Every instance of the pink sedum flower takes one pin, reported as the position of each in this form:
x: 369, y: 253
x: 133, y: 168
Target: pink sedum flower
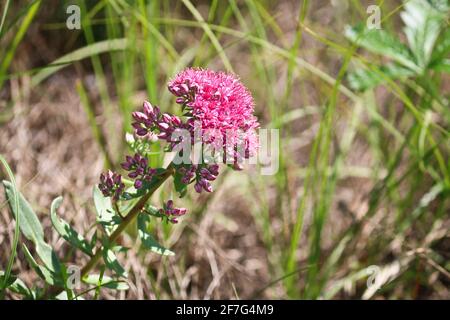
x: 219, y: 101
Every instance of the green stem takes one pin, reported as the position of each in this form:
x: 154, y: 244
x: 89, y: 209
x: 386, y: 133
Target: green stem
x: 127, y: 220
x: 7, y: 273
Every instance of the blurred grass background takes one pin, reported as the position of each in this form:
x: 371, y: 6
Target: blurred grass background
x: 364, y: 176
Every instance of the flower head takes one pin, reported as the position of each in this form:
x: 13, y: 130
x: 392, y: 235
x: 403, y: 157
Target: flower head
x: 217, y: 111
x: 219, y: 101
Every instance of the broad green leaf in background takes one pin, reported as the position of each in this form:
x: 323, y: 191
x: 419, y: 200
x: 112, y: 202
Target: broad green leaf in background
x: 382, y: 42
x: 31, y: 228
x: 423, y: 23
x: 442, y: 66
x: 67, y: 232
x: 147, y: 239
x: 363, y: 79
x: 428, y: 46
x: 442, y: 49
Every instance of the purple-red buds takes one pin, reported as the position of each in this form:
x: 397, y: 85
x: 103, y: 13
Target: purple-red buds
x: 202, y: 174
x: 138, y: 167
x: 171, y: 212
x: 111, y: 184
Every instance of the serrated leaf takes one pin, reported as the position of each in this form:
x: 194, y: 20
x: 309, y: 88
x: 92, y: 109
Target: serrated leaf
x: 147, y: 239
x: 66, y: 231
x: 423, y: 23
x: 112, y: 263
x: 107, y: 282
x: 382, y: 42
x: 363, y: 79
x: 31, y: 228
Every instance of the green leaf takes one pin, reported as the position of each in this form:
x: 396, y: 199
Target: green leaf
x: 31, y: 228
x: 21, y: 288
x: 444, y: 66
x: 48, y: 276
x: 10, y: 280
x: 67, y: 232
x: 112, y: 263
x: 363, y: 79
x: 30, y: 225
x: 442, y: 48
x: 180, y: 187
x: 106, y: 215
x: 381, y: 42
x: 147, y: 239
x: 63, y: 296
x: 423, y: 23
x: 16, y: 285
x: 107, y: 282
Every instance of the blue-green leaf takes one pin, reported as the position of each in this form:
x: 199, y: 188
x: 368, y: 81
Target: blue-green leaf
x: 107, y: 282
x: 423, y: 22
x: 16, y: 285
x: 106, y: 215
x: 112, y: 263
x: 442, y: 66
x: 48, y: 276
x: 382, y: 42
x: 363, y: 79
x: 31, y: 228
x: 442, y: 48
x: 67, y: 232
x: 147, y: 239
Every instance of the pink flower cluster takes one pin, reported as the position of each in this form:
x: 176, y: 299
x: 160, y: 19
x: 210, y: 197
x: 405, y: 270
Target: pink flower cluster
x: 220, y: 102
x: 211, y: 101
